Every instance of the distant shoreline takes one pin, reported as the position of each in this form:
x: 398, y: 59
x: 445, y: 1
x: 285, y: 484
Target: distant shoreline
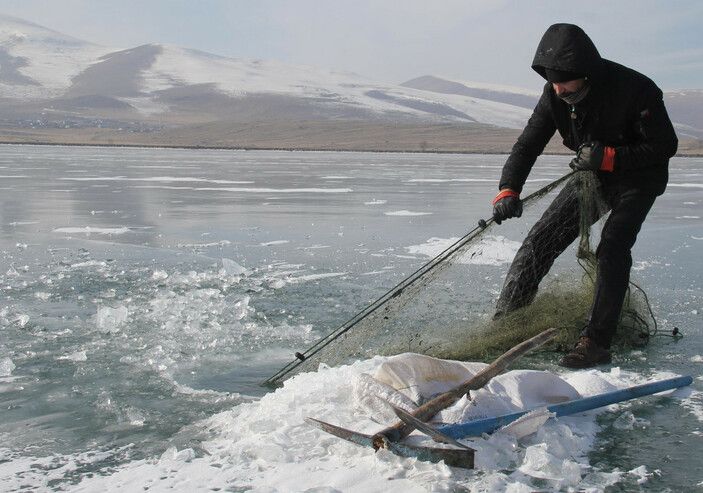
x: 287, y: 149
x: 295, y: 149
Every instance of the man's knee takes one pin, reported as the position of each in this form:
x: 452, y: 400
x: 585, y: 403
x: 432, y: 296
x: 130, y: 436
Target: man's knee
x: 614, y: 253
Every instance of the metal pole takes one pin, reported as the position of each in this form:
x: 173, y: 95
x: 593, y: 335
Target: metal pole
x: 488, y: 425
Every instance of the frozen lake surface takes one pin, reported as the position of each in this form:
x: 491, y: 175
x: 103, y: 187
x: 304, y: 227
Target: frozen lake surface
x: 147, y: 292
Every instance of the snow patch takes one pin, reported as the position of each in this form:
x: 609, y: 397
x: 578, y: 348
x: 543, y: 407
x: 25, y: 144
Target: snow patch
x: 489, y: 250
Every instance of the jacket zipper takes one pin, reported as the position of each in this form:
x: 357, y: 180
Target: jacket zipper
x: 574, y: 131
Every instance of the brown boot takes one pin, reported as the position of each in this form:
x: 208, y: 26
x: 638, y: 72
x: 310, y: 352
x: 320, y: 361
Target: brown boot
x: 586, y: 353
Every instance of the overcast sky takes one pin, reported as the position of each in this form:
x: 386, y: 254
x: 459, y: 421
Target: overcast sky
x: 393, y: 41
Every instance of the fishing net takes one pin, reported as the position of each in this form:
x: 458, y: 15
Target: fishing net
x: 469, y: 302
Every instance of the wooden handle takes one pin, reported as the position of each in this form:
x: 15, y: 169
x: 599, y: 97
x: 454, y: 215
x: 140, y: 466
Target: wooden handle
x: 400, y: 430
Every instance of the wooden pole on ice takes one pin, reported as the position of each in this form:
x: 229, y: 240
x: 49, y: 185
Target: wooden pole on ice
x: 400, y: 430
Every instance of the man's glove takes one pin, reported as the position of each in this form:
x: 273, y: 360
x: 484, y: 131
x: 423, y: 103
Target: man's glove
x: 507, y: 204
x: 593, y: 156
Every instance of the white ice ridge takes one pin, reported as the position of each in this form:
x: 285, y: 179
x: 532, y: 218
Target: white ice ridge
x: 93, y: 230
x: 158, y: 179
x: 274, y: 242
x: 276, y: 190
x: 489, y: 250
x: 685, y: 185
x: 467, y: 180
x: 406, y: 213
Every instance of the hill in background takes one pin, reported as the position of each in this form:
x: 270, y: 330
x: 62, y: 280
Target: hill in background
x: 58, y: 89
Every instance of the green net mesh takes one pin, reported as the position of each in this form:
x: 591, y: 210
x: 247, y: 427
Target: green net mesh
x: 447, y: 308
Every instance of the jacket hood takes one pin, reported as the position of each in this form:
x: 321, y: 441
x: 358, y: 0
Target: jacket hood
x: 567, y: 48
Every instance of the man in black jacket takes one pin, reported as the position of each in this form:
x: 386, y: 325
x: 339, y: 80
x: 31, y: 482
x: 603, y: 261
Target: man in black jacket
x: 615, y: 120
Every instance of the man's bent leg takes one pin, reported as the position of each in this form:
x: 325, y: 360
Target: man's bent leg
x: 549, y: 237
x: 614, y: 262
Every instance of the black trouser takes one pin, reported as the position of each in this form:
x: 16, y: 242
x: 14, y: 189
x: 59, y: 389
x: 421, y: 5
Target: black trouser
x: 557, y: 229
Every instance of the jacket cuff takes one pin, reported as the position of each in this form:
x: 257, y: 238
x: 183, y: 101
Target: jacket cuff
x: 608, y: 163
x: 506, y: 192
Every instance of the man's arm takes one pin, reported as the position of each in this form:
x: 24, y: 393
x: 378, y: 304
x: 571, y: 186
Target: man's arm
x: 656, y: 139
x: 529, y: 145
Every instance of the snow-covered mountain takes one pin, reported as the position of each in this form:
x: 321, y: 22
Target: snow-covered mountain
x: 49, y: 80
x: 39, y: 64
x: 516, y: 96
x: 36, y: 62
x: 685, y: 107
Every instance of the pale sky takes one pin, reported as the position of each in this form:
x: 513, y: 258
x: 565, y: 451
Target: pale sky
x: 393, y: 41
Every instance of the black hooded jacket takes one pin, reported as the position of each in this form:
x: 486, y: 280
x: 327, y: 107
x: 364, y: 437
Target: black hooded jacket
x: 624, y: 109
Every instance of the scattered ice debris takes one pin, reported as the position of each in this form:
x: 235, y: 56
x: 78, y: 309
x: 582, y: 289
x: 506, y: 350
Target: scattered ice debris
x: 644, y: 264
x: 21, y: 320
x: 134, y: 417
x: 77, y: 356
x: 628, y: 421
x: 315, y: 277
x: 374, y: 395
x: 6, y: 367
x: 241, y: 308
x: 232, y: 268
x: 172, y: 454
x: 696, y: 359
x: 541, y: 464
x: 41, y: 295
x: 43, y: 472
x: 276, y: 283
x: 159, y: 275
x: 527, y: 424
x: 109, y: 319
x: 489, y: 250
x: 376, y: 202
x: 642, y: 474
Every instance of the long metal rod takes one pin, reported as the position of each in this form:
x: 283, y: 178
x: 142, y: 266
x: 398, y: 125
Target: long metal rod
x: 488, y: 425
x: 395, y: 291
